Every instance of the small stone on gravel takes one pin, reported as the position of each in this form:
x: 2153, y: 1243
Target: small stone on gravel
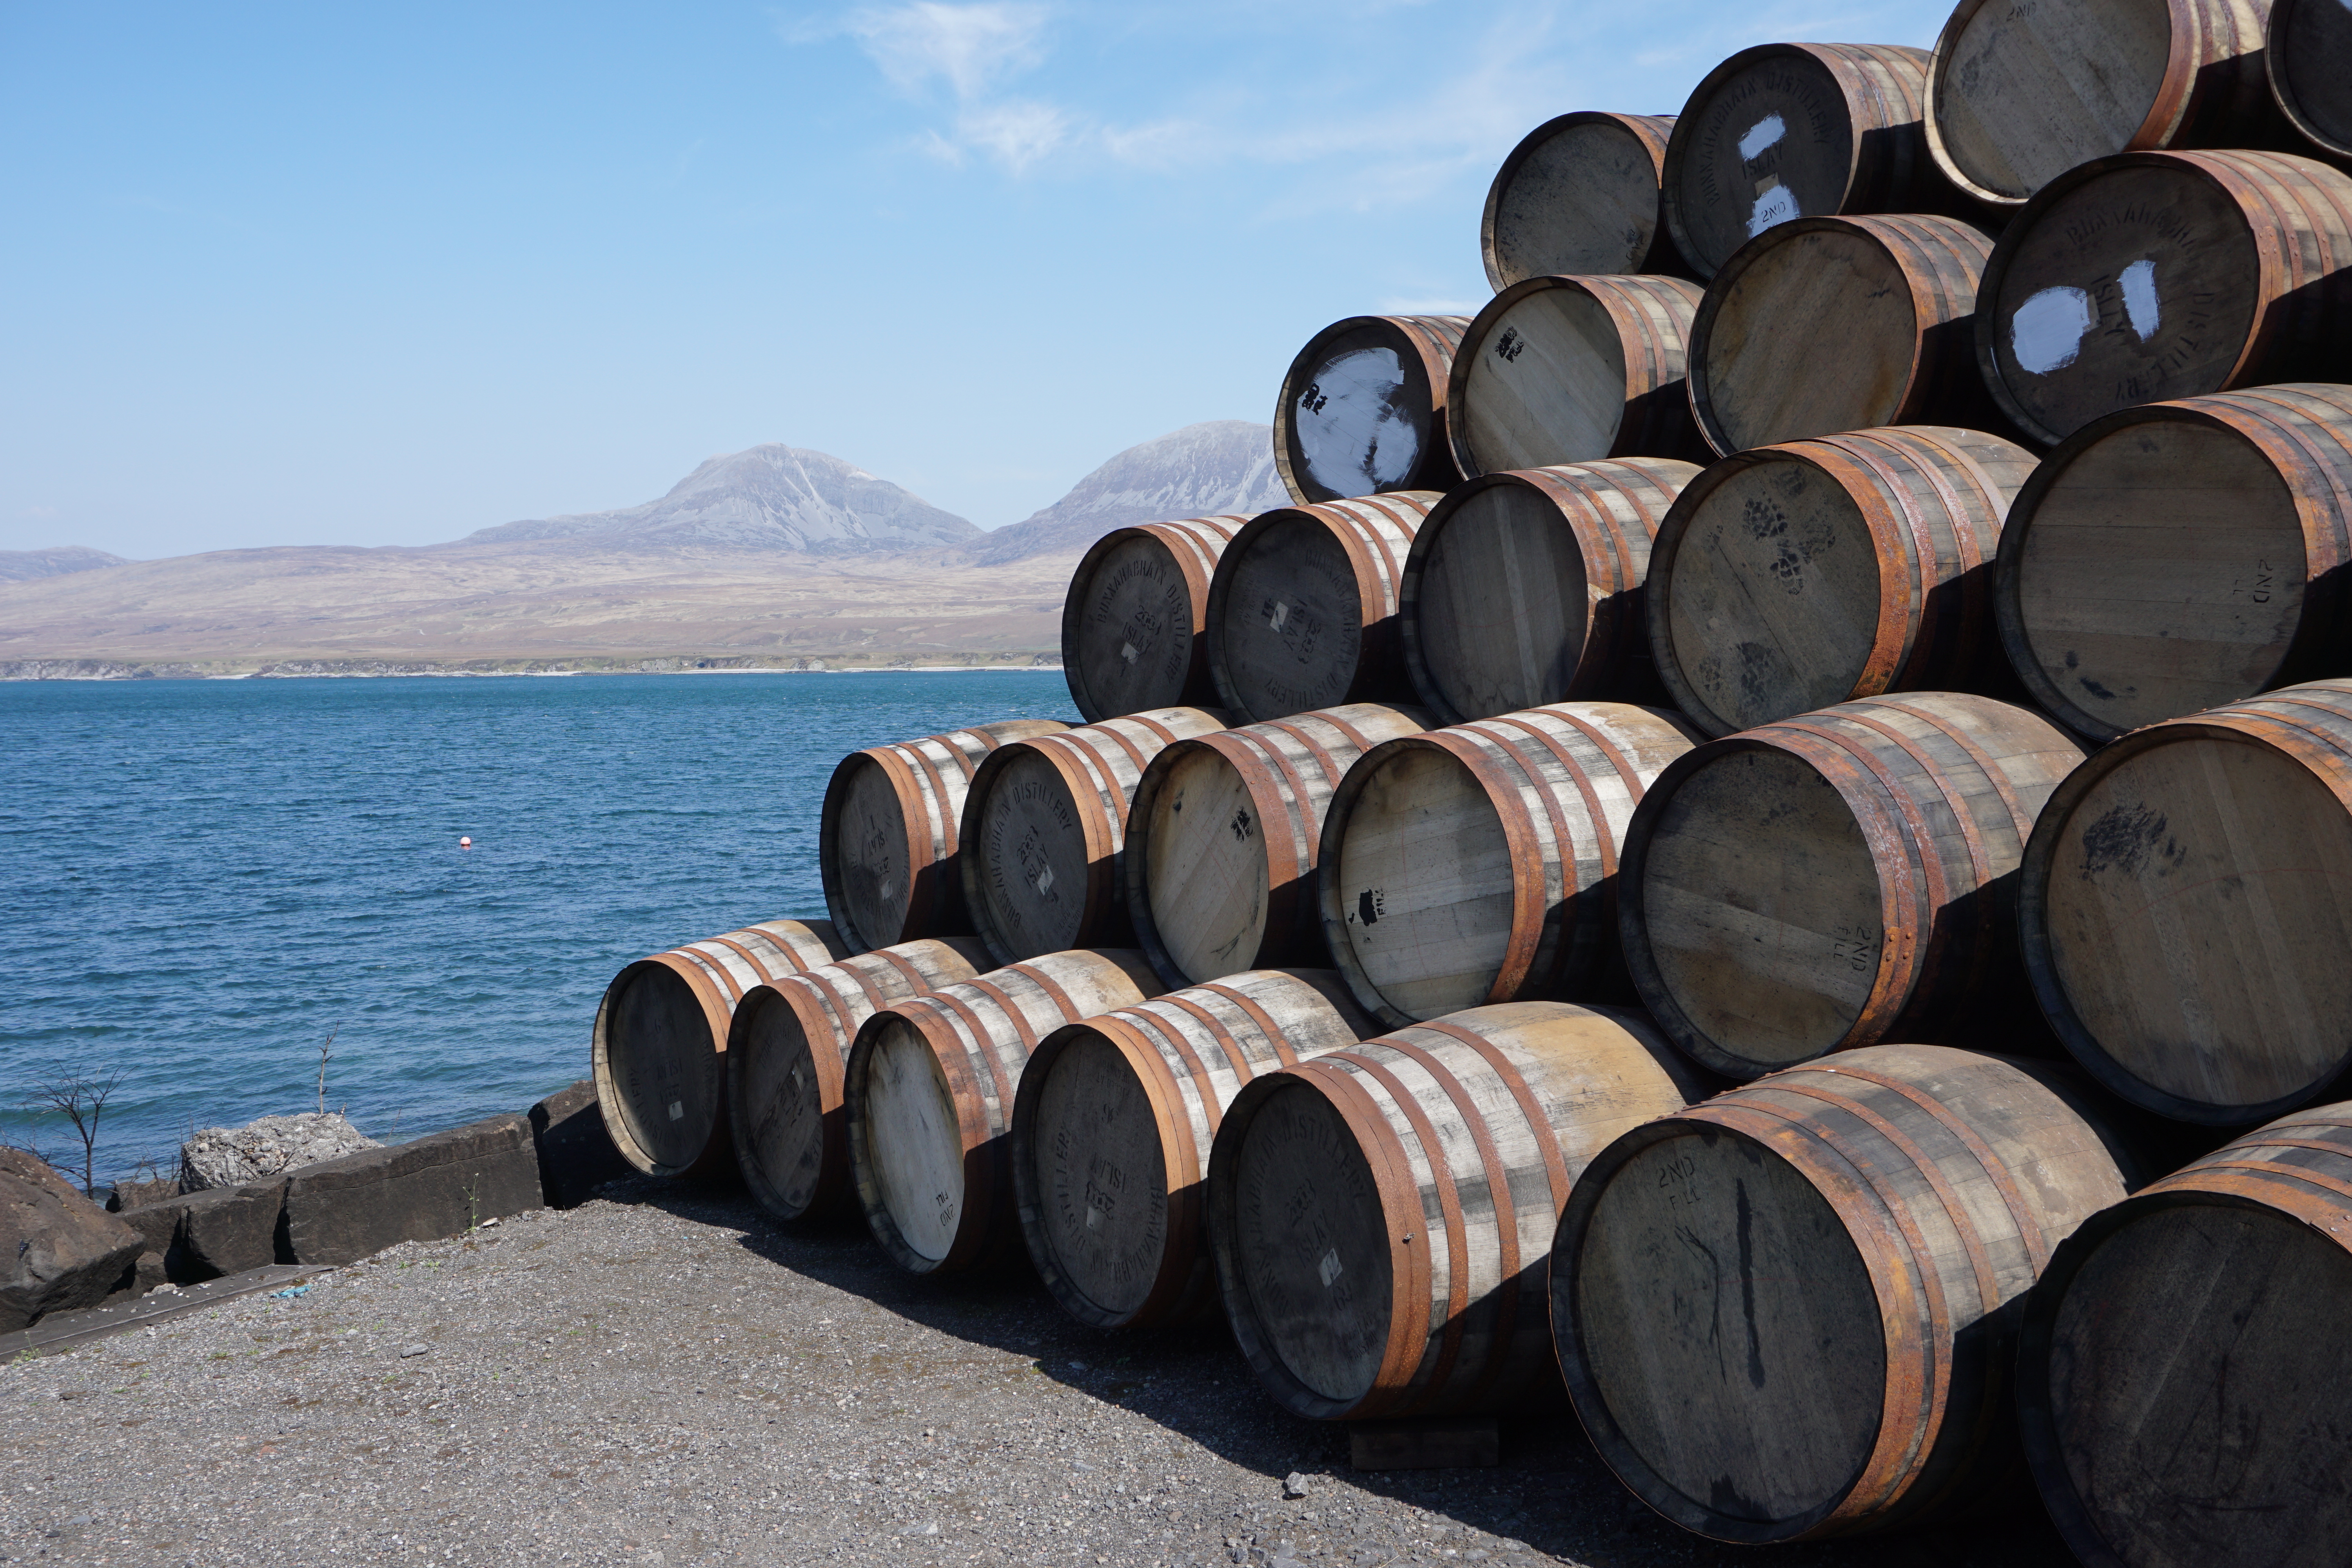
x: 1294, y: 1485
x: 415, y: 1349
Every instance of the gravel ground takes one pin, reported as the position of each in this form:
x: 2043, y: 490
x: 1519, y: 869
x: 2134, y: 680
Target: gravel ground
x: 664, y: 1377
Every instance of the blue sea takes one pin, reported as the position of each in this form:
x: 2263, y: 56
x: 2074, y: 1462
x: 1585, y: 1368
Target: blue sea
x: 200, y: 881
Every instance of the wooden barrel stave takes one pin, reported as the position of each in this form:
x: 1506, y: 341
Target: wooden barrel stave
x: 1114, y: 1118
x: 2307, y: 42
x: 658, y: 1049
x: 1380, y: 1214
x: 786, y: 1046
x: 1132, y: 619
x: 929, y: 1092
x: 1222, y: 837
x: 1363, y: 410
x: 1578, y: 196
x: 1885, y: 1209
x: 1488, y: 851
x: 1839, y: 879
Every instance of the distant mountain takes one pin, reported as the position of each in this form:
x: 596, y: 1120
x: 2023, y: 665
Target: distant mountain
x: 1224, y: 466
x: 24, y: 565
x: 771, y: 496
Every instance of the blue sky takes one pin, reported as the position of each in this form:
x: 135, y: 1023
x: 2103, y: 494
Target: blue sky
x: 332, y: 275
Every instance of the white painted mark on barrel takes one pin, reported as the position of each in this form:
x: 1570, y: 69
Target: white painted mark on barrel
x: 1773, y: 205
x: 1126, y: 651
x: 1046, y: 881
x: 1281, y: 613
x: 1764, y: 133
x: 2140, y: 307
x: 1329, y: 1268
x: 1351, y: 424
x: 2046, y: 332
x: 1094, y: 1217
x: 677, y: 1111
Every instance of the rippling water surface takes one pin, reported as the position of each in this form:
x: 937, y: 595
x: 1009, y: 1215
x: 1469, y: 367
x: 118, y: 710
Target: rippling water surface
x: 200, y: 881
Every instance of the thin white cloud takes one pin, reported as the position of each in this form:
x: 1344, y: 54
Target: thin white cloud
x: 969, y: 48
x: 1018, y: 134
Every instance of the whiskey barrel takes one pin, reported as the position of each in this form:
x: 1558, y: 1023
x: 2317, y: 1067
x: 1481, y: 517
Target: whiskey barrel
x: 1045, y: 829
x: 2182, y: 555
x: 1380, y: 1214
x: 1477, y: 864
x: 1805, y: 574
x: 2020, y: 94
x: 1302, y: 611
x: 2187, y: 903
x: 2308, y: 42
x: 661, y: 1037
x: 1112, y: 1125
x: 1786, y: 1313
x: 785, y: 1051
x: 2182, y: 1364
x: 929, y: 1092
x: 1132, y: 620
x: 2150, y: 276
x: 887, y: 837
x: 1222, y: 837
x: 1363, y: 409
x: 1839, y: 879
x: 1788, y: 130
x: 1827, y: 324
x: 1579, y: 197
x: 1525, y: 587
x: 1566, y: 370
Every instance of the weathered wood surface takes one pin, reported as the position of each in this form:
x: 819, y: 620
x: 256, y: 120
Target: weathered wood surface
x: 927, y: 1096
x: 1363, y: 409
x: 887, y: 839
x: 2182, y: 1364
x: 1784, y: 1314
x: 1839, y: 879
x: 1113, y: 1123
x: 1381, y: 1214
x: 1224, y: 834
x: 1132, y: 621
x: 1789, y: 131
x: 1525, y: 587
x: 660, y: 1040
x: 1569, y: 370
x: 1578, y: 196
x: 1827, y: 324
x: 2185, y: 907
x: 1045, y: 831
x: 2309, y: 40
x: 785, y: 1051
x: 1478, y: 864
x: 1803, y: 575
x: 2020, y: 94
x: 2182, y: 555
x: 1303, y: 608
x: 2150, y: 276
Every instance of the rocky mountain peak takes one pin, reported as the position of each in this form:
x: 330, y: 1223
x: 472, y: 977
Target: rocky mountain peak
x: 1221, y: 466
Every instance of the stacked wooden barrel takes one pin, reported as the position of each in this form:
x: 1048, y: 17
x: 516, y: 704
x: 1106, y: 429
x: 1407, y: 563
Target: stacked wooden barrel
x: 1363, y: 408
x: 1132, y: 622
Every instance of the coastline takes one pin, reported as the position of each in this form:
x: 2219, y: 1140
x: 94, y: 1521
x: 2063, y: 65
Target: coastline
x: 50, y: 669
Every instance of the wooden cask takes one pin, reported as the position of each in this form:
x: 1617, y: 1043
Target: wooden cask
x: 2309, y: 42
x: 660, y: 1040
x: 1525, y: 587
x: 929, y: 1092
x: 1303, y: 609
x: 785, y: 1052
x: 1045, y: 829
x: 1132, y: 620
x: 2182, y: 1364
x: 2187, y: 904
x: 1827, y: 324
x: 1579, y: 197
x: 2150, y: 276
x: 1112, y: 1126
x: 1806, y: 574
x: 1839, y: 879
x: 2020, y: 94
x: 1789, y: 131
x: 1381, y: 1214
x: 1566, y: 370
x: 1363, y: 409
x: 1477, y: 864
x: 1787, y: 1313
x: 1223, y: 839
x: 887, y: 837
x: 2182, y: 555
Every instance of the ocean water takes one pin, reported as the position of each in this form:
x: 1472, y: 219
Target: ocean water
x: 200, y: 881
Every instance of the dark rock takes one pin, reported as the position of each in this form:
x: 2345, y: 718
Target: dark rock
x: 58, y: 1252
x: 143, y: 1275
x: 576, y: 1155
x: 340, y: 1211
x: 158, y: 1226
x: 128, y: 1195
x: 218, y: 1231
